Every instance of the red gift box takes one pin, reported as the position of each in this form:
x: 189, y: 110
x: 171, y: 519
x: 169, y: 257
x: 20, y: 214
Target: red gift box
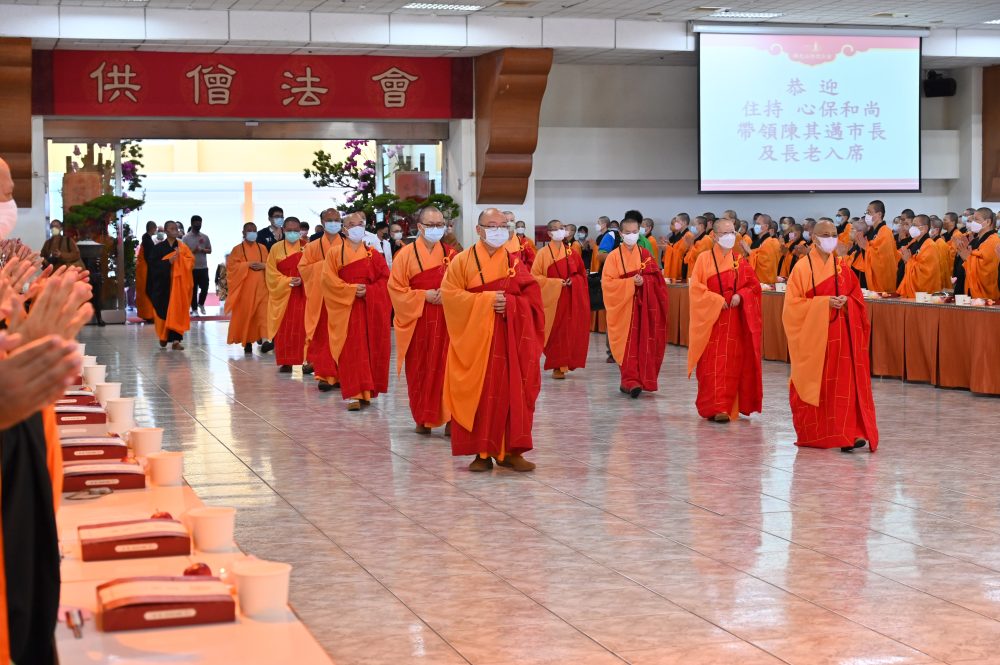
x: 80, y: 448
x: 119, y: 475
x: 141, y: 603
x: 71, y: 414
x: 135, y: 539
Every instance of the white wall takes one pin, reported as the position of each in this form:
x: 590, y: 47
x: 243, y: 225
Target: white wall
x: 612, y: 138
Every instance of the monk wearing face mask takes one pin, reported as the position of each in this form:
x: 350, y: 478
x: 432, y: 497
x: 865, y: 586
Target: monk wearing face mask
x: 636, y: 299
x: 725, y: 330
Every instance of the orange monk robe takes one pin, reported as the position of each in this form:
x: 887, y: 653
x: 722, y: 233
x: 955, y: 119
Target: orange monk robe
x: 946, y: 263
x: 981, y: 269
x: 317, y: 317
x: 169, y: 286
x: 655, y: 251
x: 247, y: 301
x: 846, y: 236
x: 673, y: 255
x: 830, y: 385
x: 637, y: 315
x: 725, y: 342
x: 764, y: 260
x: 143, y: 305
x: 702, y: 244
x: 567, y: 308
x: 881, y: 261
x: 923, y: 271
x: 358, y: 328
x: 421, y: 332
x: 493, y: 376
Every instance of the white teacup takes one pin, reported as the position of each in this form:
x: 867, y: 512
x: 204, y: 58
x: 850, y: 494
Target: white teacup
x: 81, y: 348
x: 94, y: 374
x: 89, y: 361
x: 105, y: 391
x: 166, y: 469
x: 262, y: 587
x: 212, y: 527
x: 146, y: 440
x: 121, y: 410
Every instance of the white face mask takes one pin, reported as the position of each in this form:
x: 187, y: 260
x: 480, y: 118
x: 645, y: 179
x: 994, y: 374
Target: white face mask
x: 8, y: 218
x: 56, y: 231
x: 397, y: 236
x: 974, y: 226
x: 519, y: 230
x: 644, y: 231
x: 559, y: 235
x: 727, y: 240
x: 433, y: 235
x: 630, y: 239
x: 497, y: 238
x: 868, y: 219
x: 356, y: 233
x: 161, y: 236
x: 828, y: 245
x: 915, y: 232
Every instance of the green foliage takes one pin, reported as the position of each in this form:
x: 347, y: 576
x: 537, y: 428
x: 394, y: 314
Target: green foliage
x: 358, y: 177
x: 101, y: 211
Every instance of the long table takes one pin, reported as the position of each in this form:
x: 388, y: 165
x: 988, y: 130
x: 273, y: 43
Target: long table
x: 246, y: 641
x: 948, y: 346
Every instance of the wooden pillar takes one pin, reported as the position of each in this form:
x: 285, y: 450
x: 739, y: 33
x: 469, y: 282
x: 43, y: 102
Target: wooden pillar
x: 15, y: 114
x: 991, y: 133
x: 510, y: 84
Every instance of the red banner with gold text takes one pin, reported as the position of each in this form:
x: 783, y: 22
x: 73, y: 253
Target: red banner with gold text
x: 223, y: 85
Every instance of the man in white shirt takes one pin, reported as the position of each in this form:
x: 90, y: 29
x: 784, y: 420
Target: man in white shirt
x: 380, y: 241
x: 201, y: 247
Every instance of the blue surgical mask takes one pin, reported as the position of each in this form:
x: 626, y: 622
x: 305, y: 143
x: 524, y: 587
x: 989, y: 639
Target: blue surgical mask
x: 964, y: 218
x: 333, y: 227
x: 581, y: 236
x: 693, y: 229
x: 757, y: 229
x: 278, y: 222
x: 161, y: 236
x: 840, y: 219
x: 433, y: 234
x: 251, y: 236
x: 292, y: 236
x: 806, y: 235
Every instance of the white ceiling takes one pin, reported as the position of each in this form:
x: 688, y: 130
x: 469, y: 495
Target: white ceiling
x: 928, y: 13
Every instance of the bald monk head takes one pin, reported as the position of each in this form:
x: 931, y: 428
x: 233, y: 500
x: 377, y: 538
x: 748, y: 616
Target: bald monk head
x: 151, y: 228
x: 724, y: 233
x: 250, y: 232
x: 431, y: 225
x: 491, y: 223
x: 172, y: 229
x: 825, y: 238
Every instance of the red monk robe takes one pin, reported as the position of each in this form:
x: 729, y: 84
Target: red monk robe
x: 637, y: 316
x: 358, y: 327
x: 286, y: 308
x: 567, y: 308
x: 143, y: 305
x: 317, y: 321
x: 493, y: 375
x: 830, y: 388
x: 246, y: 304
x: 725, y: 343
x: 522, y: 249
x: 421, y: 332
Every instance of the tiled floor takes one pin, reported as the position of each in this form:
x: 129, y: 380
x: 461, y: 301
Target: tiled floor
x: 646, y: 535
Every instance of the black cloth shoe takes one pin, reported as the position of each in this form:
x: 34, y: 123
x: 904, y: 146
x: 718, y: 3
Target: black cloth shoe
x: 248, y: 349
x: 266, y: 347
x: 285, y: 369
